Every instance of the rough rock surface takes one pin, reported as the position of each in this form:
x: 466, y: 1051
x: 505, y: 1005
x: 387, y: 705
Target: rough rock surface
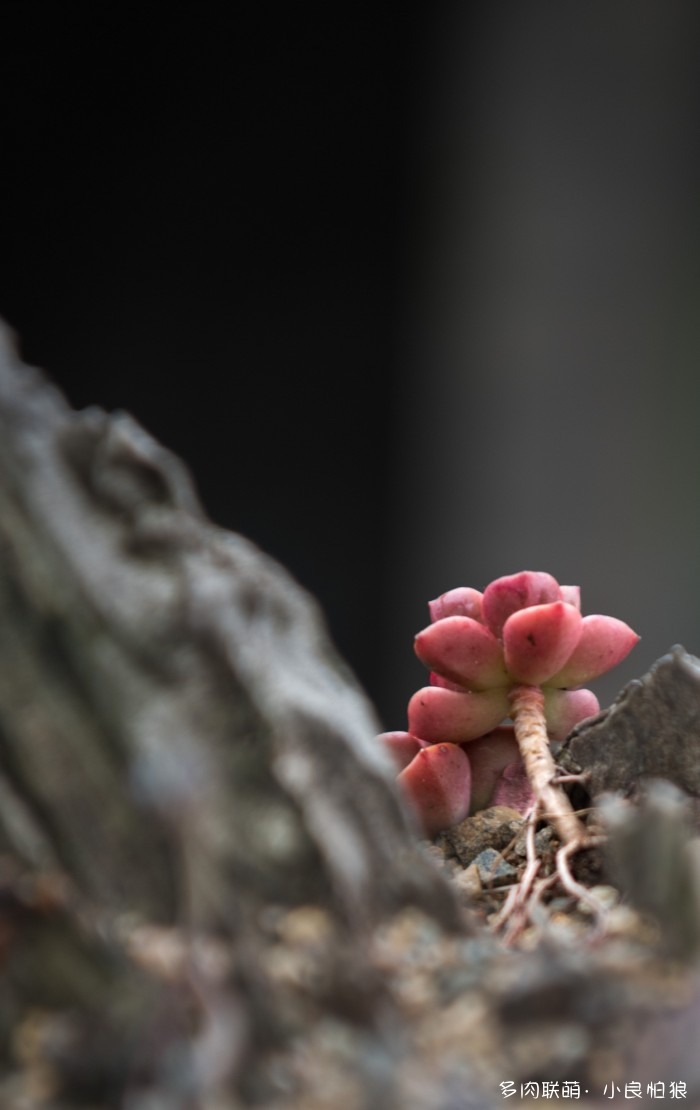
x: 652, y: 730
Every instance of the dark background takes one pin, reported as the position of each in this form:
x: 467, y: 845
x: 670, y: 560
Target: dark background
x: 204, y: 222
x: 414, y: 293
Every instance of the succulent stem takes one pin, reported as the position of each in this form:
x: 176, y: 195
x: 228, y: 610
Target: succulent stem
x: 527, y: 712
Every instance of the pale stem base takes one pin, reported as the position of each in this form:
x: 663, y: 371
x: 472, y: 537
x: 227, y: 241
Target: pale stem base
x: 527, y: 711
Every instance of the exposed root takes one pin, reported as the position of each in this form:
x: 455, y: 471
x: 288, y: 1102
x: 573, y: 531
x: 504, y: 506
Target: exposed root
x: 524, y: 899
x: 524, y: 904
x: 583, y: 778
x: 514, y: 905
x: 576, y: 889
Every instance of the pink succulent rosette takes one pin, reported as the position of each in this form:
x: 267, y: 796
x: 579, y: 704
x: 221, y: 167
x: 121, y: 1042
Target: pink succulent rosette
x: 444, y: 784
x: 524, y: 630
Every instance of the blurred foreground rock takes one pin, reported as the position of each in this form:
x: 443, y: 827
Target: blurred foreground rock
x: 178, y: 737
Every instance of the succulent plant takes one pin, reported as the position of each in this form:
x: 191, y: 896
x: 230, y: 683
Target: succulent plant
x: 521, y: 650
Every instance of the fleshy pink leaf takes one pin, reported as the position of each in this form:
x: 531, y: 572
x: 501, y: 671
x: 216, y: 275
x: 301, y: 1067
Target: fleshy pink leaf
x: 507, y: 595
x: 537, y: 641
x: 437, y: 783
x: 571, y: 594
x: 400, y: 746
x: 440, y: 680
x: 436, y: 714
x: 464, y: 651
x: 604, y: 642
x: 565, y: 708
x: 513, y: 788
x: 488, y: 756
x: 461, y: 602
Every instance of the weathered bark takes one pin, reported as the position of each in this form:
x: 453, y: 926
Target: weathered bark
x: 177, y: 734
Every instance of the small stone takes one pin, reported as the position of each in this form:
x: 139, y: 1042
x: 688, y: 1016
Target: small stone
x: 606, y: 895
x: 492, y: 868
x: 306, y: 925
x: 565, y: 929
x: 492, y: 828
x: 543, y: 842
x: 468, y: 881
x: 623, y: 921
